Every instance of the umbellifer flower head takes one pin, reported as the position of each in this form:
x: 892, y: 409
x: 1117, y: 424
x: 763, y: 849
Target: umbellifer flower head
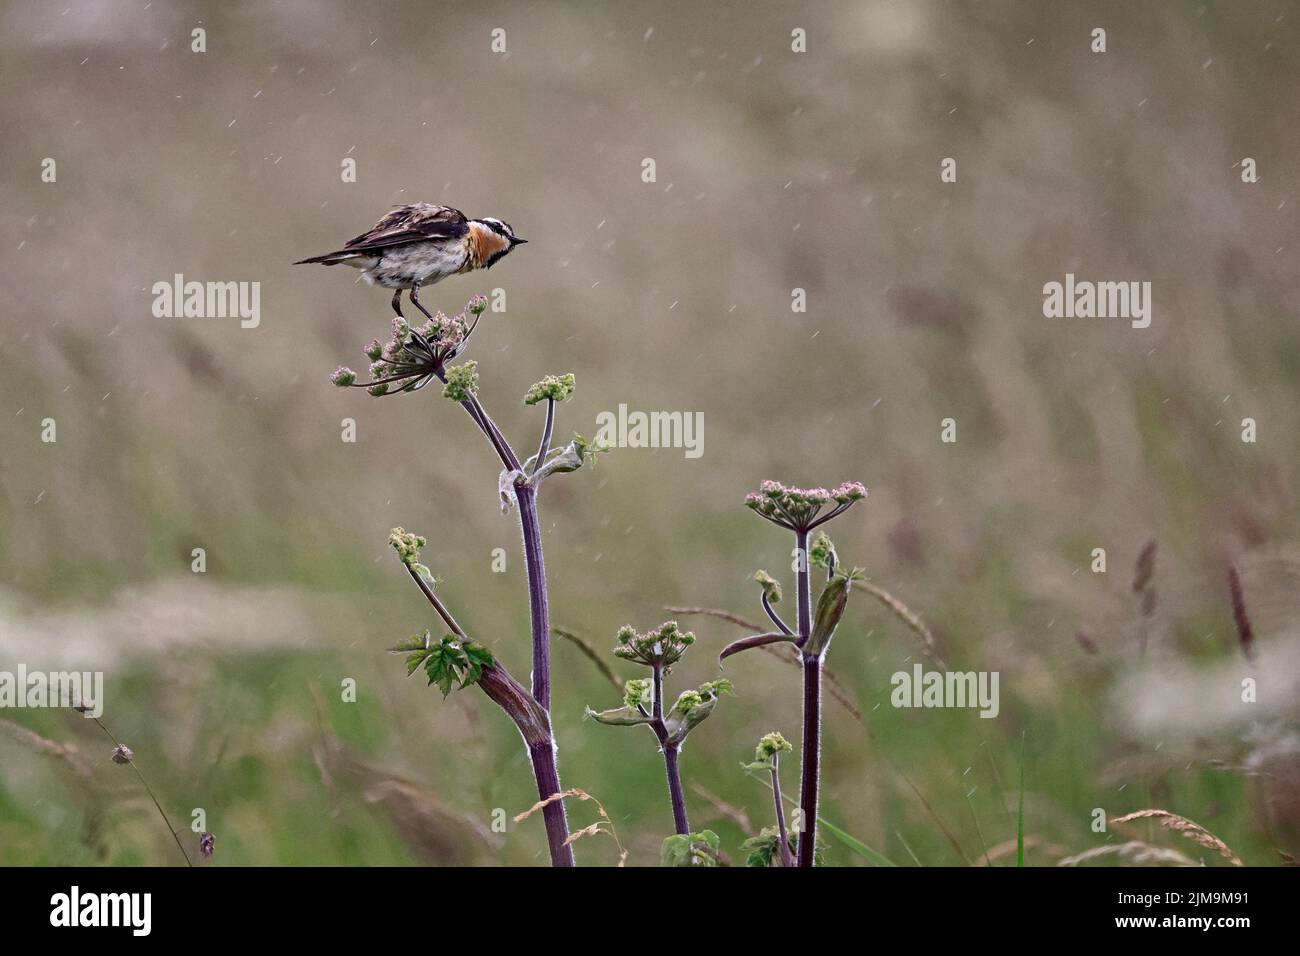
x: 413, y: 356
x: 554, y: 387
x: 771, y: 744
x: 462, y: 382
x: 123, y: 754
x: 636, y: 693
x: 821, y: 553
x: 767, y: 751
x: 662, y: 646
x: 801, y: 509
x: 207, y: 844
x: 406, y: 545
x: 770, y: 585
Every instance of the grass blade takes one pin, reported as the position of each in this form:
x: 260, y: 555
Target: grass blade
x: 857, y: 846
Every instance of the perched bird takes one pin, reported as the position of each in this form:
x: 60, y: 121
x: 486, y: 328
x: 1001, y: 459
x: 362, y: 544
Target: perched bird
x: 420, y: 244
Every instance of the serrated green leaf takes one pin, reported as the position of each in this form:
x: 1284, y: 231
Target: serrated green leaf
x: 414, y: 660
x: 691, y: 849
x: 760, y: 849
x: 478, y: 654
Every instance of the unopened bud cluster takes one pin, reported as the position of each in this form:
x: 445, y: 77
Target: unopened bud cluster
x: 662, y: 646
x: 556, y: 388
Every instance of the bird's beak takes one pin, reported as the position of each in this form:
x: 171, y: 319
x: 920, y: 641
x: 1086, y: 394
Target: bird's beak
x: 516, y: 241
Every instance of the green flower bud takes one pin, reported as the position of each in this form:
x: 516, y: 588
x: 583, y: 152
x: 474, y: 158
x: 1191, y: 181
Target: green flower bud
x: 462, y: 381
x: 407, y: 546
x: 343, y: 376
x: 770, y: 585
x: 692, y: 706
x: 822, y: 551
x: 661, y: 646
x: 766, y: 752
x: 557, y: 388
x: 637, y: 693
x: 772, y: 744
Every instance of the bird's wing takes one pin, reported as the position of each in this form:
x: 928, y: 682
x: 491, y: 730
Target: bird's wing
x: 419, y: 222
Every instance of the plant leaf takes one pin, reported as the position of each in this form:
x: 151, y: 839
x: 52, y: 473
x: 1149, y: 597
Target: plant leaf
x: 830, y: 609
x: 691, y: 849
x: 754, y: 640
x: 417, y: 642
x: 618, y: 716
x: 414, y: 660
x: 760, y: 849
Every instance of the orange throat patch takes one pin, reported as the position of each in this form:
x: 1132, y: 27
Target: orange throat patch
x: 483, y: 245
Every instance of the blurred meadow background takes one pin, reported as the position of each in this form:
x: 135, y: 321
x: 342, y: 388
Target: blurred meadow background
x: 776, y: 170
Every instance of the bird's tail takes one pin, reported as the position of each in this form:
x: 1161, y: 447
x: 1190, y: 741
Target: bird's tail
x: 329, y: 259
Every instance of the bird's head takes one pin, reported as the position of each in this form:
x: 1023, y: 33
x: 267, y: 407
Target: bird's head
x: 497, y: 239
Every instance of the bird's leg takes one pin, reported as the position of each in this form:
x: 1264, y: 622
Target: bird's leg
x: 397, y: 303
x: 415, y: 288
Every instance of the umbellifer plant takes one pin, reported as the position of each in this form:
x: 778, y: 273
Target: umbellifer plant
x: 801, y: 511
x: 772, y: 842
x: 643, y: 702
x: 412, y: 358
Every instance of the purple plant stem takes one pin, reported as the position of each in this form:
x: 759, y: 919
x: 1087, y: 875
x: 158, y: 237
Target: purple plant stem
x: 675, y: 788
x: 539, y: 612
x: 774, y: 617
x: 670, y: 751
x: 487, y: 426
x: 541, y: 752
x: 534, y: 724
x: 548, y: 784
x: 545, y: 445
x: 811, y: 756
x: 537, y: 604
x: 803, y: 585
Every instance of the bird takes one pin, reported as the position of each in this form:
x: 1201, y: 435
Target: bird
x: 421, y: 243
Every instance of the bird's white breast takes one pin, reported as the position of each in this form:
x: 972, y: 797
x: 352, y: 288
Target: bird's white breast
x: 423, y: 262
